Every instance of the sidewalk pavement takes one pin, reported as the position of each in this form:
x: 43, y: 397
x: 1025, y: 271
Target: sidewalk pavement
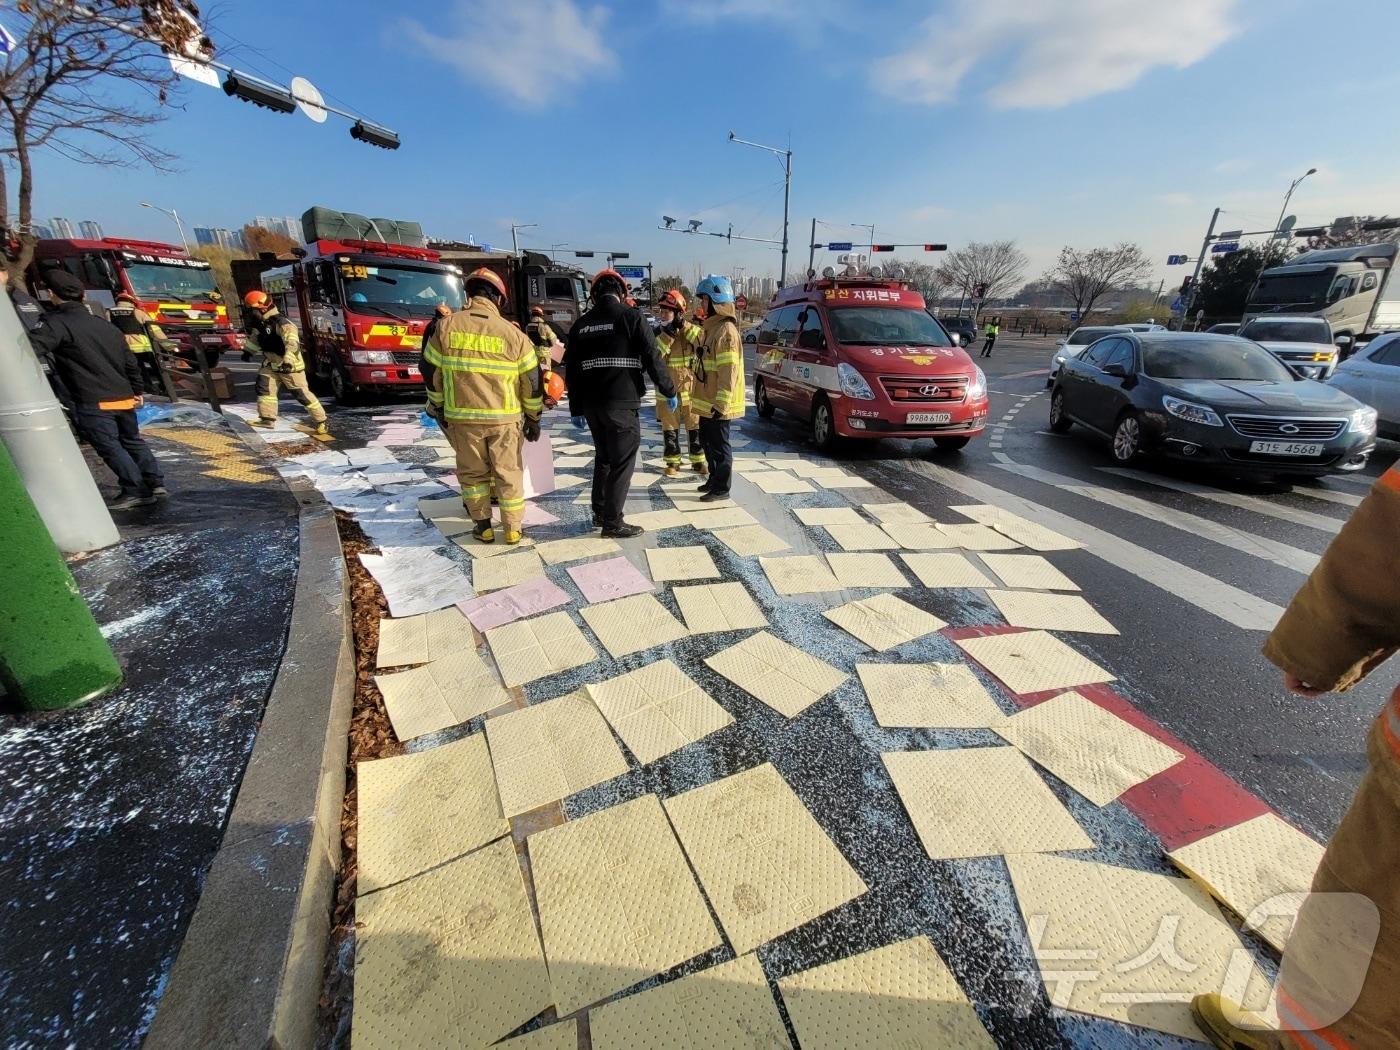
x: 111, y: 813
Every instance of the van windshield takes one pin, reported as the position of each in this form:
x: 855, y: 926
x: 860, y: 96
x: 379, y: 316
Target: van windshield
x: 886, y: 326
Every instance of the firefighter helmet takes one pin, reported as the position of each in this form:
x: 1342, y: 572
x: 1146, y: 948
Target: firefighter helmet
x: 608, y: 275
x: 537, y: 311
x: 717, y: 287
x: 672, y: 300
x: 491, y: 277
x: 257, y: 299
x: 554, y: 387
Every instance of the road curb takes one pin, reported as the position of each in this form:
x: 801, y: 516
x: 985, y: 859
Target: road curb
x: 249, y: 971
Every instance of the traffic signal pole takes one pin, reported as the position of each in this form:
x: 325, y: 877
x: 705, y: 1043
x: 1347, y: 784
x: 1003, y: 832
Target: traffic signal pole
x: 1190, y: 299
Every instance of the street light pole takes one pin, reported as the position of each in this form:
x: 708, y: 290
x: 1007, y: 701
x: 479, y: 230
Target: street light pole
x: 786, y: 154
x: 1288, y: 196
x: 515, y: 241
x: 1196, y: 275
x: 174, y: 215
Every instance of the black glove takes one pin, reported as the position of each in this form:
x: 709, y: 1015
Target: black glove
x: 532, y: 430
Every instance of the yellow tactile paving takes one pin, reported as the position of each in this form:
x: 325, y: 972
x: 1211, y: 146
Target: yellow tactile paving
x: 443, y: 693
x: 681, y: 563
x: 496, y: 573
x: 449, y: 958
x: 977, y: 537
x: 902, y: 995
x: 981, y: 802
x: 750, y: 540
x: 1253, y: 863
x: 1028, y: 571
x: 884, y: 621
x: 865, y: 537
x: 556, y: 552
x: 549, y: 751
x: 657, y: 709
x: 781, y: 675
x: 928, y: 696
x: 1024, y: 531
x: 1033, y: 661
x: 1128, y: 945
x: 718, y: 607
x: 536, y: 648
x: 419, y: 810
x: 766, y: 865
x: 890, y: 513
x: 1050, y: 612
x: 721, y: 1008
x: 632, y: 624
x: 866, y: 570
x: 617, y: 902
x: 816, y: 517
x: 946, y: 570
x: 1090, y: 749
x: 799, y: 574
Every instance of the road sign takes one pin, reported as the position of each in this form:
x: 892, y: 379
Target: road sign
x: 741, y: 303
x: 1176, y: 260
x: 1074, y: 315
x: 1224, y: 247
x: 632, y: 273
x: 309, y: 99
x: 1177, y: 305
x: 486, y: 247
x: 840, y: 246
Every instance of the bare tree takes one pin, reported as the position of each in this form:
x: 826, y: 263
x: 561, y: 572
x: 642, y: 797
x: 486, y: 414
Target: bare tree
x: 261, y: 240
x: 997, y: 265
x: 61, y: 89
x: 1355, y: 230
x: 1084, y: 277
x: 932, y: 282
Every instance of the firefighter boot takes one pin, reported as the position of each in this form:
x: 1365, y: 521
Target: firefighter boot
x: 671, y: 440
x: 1229, y: 1026
x: 697, y: 454
x: 513, y: 536
x: 262, y: 423
x: 484, y: 532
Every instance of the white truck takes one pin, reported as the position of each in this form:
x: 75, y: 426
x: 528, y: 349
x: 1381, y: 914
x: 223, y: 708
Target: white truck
x: 1352, y: 289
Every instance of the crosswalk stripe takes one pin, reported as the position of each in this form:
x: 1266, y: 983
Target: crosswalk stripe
x: 1234, y: 499
x: 1330, y: 495
x: 1234, y: 606
x: 1246, y: 542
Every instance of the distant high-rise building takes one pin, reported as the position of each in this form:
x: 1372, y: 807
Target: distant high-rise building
x: 293, y: 228
x: 204, y: 235
x: 768, y: 287
x: 263, y: 222
x: 91, y: 230
x: 218, y: 237
x: 62, y: 228
x: 44, y: 233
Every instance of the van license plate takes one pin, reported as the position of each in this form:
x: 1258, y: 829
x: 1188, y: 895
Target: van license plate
x: 1285, y: 448
x: 414, y: 373
x: 929, y: 417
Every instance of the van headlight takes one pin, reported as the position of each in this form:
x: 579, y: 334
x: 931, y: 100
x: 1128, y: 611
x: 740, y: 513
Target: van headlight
x: 1191, y: 412
x: 853, y: 384
x: 1363, y: 421
x: 977, y: 389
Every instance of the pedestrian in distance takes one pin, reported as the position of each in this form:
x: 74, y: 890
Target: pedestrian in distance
x: 677, y: 339
x: 482, y: 377
x: 991, y: 331
x: 611, y: 349
x: 100, y: 372
x: 542, y: 334
x: 142, y: 336
x: 283, y: 368
x: 718, y: 395
x: 1339, y: 983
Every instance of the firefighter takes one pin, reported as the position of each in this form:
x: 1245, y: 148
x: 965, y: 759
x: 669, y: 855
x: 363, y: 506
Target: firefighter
x: 718, y: 394
x: 677, y: 340
x: 277, y: 339
x: 542, y: 334
x: 483, y: 383
x: 142, y: 335
x: 1335, y: 988
x: 440, y: 311
x: 611, y: 348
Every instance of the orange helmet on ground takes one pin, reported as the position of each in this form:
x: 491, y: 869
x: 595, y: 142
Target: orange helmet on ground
x: 554, y: 387
x: 607, y: 275
x: 491, y: 277
x: 673, y: 300
x: 537, y: 311
x: 257, y: 299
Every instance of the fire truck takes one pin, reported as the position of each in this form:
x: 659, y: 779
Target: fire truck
x: 532, y: 279
x: 176, y: 290
x: 361, y: 306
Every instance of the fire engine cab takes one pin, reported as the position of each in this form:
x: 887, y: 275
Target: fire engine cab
x: 862, y: 357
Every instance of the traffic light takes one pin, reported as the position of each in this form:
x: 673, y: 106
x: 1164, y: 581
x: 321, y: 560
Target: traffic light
x: 1186, y: 285
x: 882, y: 247
x: 935, y: 247
x: 262, y: 93
x: 979, y: 291
x: 384, y: 138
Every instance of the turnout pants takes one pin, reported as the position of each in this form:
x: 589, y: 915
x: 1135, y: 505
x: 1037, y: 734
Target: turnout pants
x: 617, y: 435
x: 671, y: 422
x: 271, y: 382
x: 714, y: 435
x: 116, y: 437
x: 1328, y: 960
x: 150, y: 372
x: 490, y: 454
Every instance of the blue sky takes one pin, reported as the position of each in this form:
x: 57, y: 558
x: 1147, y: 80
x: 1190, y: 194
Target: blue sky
x: 1052, y: 122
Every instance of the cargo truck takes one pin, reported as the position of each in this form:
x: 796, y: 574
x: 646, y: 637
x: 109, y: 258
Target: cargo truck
x: 1353, y: 289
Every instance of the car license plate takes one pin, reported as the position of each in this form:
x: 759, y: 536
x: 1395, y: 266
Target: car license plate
x: 1285, y: 448
x: 211, y: 338
x: 414, y: 372
x: 929, y: 417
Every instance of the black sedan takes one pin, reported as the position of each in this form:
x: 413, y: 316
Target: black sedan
x: 1214, y: 399
x: 965, y: 328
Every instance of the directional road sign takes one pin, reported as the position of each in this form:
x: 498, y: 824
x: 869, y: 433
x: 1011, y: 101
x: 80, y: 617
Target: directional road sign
x: 839, y: 246
x: 1176, y: 260
x: 632, y: 273
x: 1222, y: 247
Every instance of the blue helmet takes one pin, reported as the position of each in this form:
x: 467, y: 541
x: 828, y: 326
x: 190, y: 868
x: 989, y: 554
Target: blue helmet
x: 717, y: 287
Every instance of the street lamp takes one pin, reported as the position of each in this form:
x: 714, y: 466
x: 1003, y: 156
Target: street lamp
x: 786, y: 154
x: 174, y: 215
x: 554, y: 248
x: 1291, y: 187
x: 514, y: 241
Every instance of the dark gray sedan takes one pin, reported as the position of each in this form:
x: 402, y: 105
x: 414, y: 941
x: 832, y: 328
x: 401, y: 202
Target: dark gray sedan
x: 1217, y: 400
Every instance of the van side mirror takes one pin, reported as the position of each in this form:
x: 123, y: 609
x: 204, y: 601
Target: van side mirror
x: 811, y: 339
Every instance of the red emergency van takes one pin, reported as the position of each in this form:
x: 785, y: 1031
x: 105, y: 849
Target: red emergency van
x: 863, y: 358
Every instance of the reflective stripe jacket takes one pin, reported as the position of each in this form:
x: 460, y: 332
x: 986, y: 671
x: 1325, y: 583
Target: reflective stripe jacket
x: 480, y: 368
x: 719, y: 367
x: 137, y: 326
x: 1345, y: 621
x: 277, y: 339
x: 678, y: 348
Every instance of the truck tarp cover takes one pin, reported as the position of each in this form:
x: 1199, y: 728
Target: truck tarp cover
x: 331, y: 225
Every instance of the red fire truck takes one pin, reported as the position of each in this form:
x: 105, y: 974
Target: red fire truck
x: 361, y: 307
x: 176, y: 290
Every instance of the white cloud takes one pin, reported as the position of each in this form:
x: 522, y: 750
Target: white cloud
x: 1059, y: 51
x: 529, y: 50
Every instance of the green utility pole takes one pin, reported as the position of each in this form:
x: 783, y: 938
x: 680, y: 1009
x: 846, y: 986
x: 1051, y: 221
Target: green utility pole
x: 52, y: 653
